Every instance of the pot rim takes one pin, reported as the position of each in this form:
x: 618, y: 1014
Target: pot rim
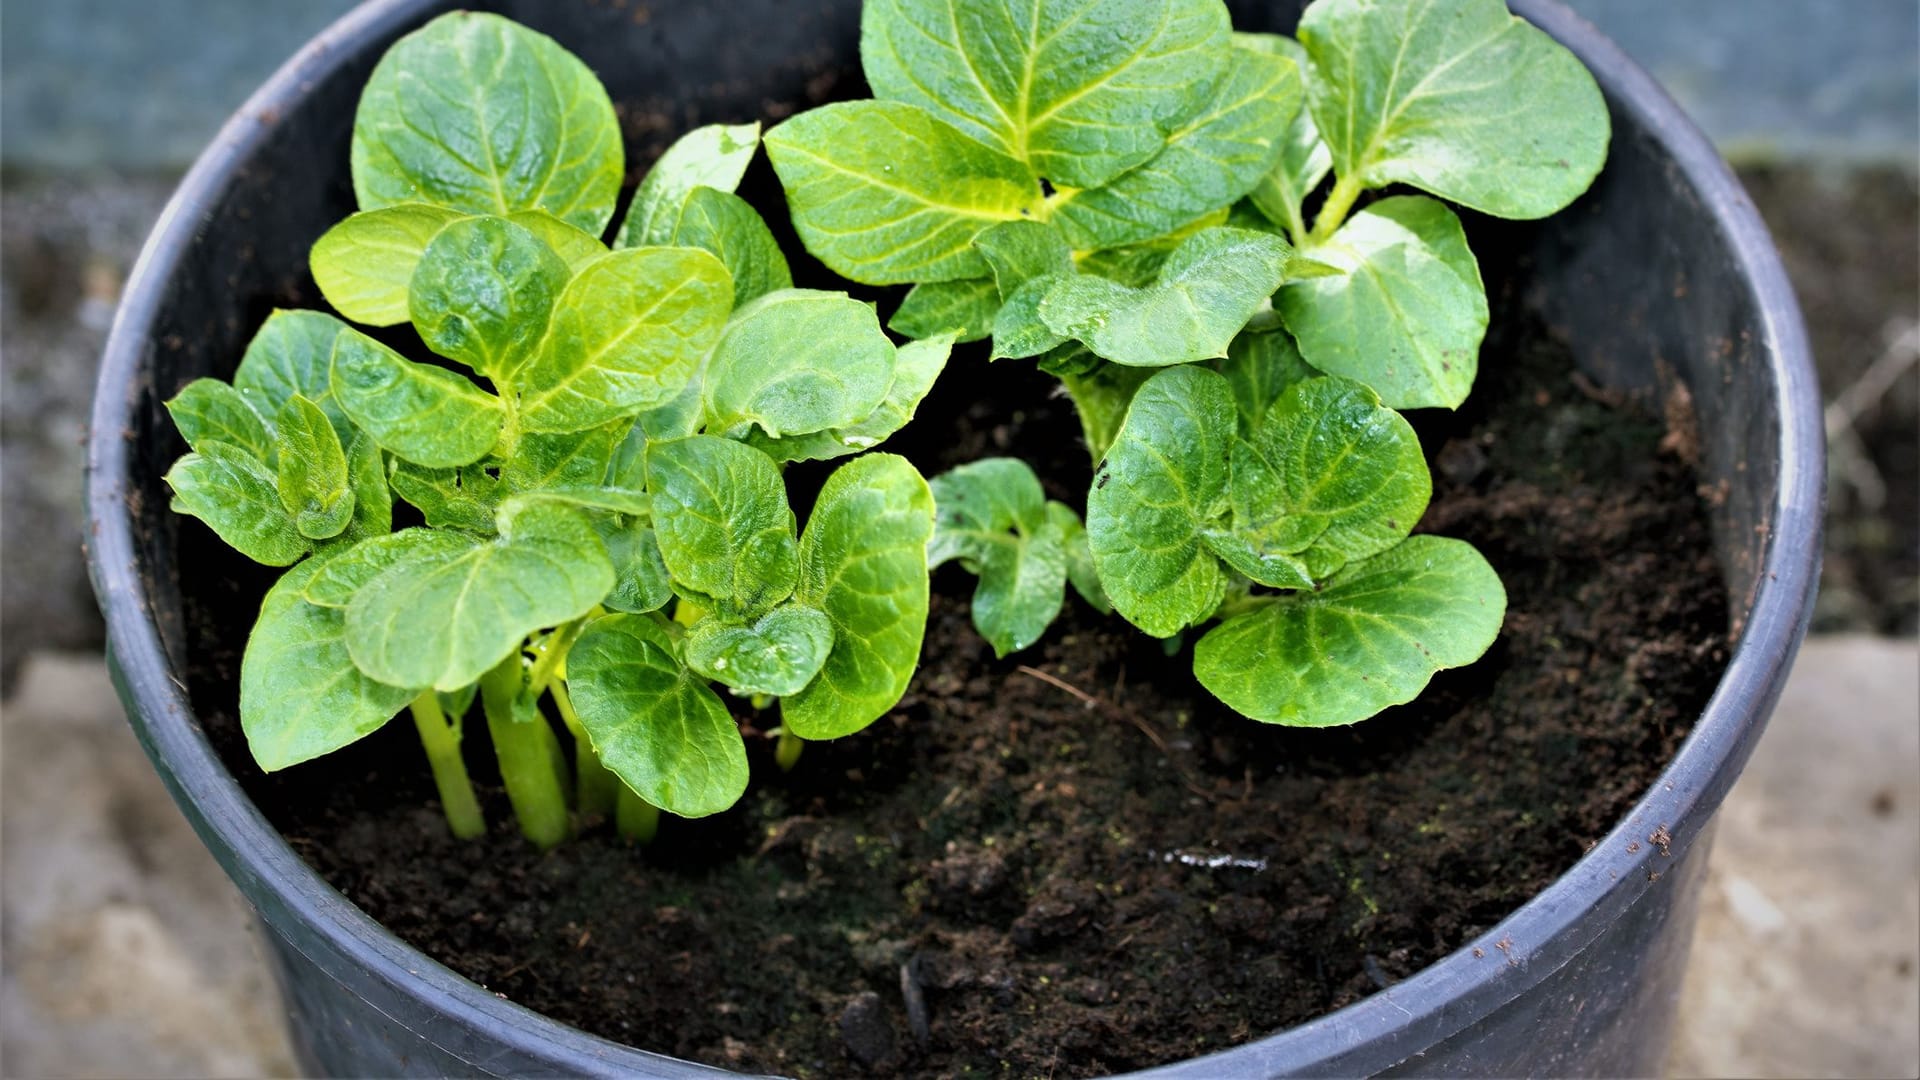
x: 1370, y: 1035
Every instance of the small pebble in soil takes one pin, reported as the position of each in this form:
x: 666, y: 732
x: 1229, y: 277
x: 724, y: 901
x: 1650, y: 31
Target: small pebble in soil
x: 867, y: 1031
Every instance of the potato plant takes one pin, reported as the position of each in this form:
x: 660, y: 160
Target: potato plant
x: 592, y: 455
x: 1119, y: 189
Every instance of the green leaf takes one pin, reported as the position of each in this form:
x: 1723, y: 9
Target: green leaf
x: 1080, y: 569
x: 713, y: 157
x: 1407, y: 315
x: 917, y: 365
x: 364, y: 263
x: 657, y: 726
x: 777, y: 655
x: 292, y: 353
x: 1101, y: 396
x: 462, y: 498
x: 574, y: 460
x: 1082, y: 91
x: 1210, y: 161
x: 208, y: 410
x: 798, y: 361
x: 1331, y: 474
x: 1019, y: 251
x: 616, y: 500
x: 677, y: 419
x: 1260, y: 366
x: 300, y: 694
x: 964, y: 308
x: 1371, y: 637
x: 482, y: 294
x: 992, y: 516
x: 343, y: 575
x: 433, y: 621
x: 372, y: 498
x: 641, y: 582
x: 1207, y: 290
x: 476, y: 113
x: 312, y: 476
x: 238, y: 497
x: 1163, y: 481
x: 886, y: 193
x: 1018, y: 329
x: 427, y: 415
x: 627, y: 334
x: 574, y: 247
x: 1304, y: 162
x: 728, y: 226
x: 1456, y: 97
x: 1258, y: 561
x: 863, y: 561
x: 721, y: 516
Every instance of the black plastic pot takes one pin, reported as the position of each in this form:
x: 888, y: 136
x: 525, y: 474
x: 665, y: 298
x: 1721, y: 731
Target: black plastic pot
x: 1663, y: 269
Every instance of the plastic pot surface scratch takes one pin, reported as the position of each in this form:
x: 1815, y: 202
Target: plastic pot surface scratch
x: 1662, y: 270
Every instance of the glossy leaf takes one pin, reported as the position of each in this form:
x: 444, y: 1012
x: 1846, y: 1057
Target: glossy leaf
x: 1260, y: 366
x: 312, y: 475
x: 427, y: 415
x: 462, y: 498
x: 640, y: 579
x: 292, y: 353
x: 863, y: 561
x: 1210, y: 161
x: 433, y: 621
x: 727, y: 226
x: 964, y: 308
x: 886, y: 193
x: 720, y: 514
x: 713, y: 157
x: 208, y: 410
x: 1407, y: 315
x: 482, y: 293
x: 476, y: 113
x: 575, y: 248
x: 364, y: 263
x: 1082, y: 91
x: 798, y: 361
x: 372, y: 496
x: 1304, y: 159
x: 627, y: 334
x: 1207, y: 290
x: 576, y: 459
x: 1162, y: 482
x: 992, y: 516
x: 1371, y: 637
x: 777, y: 655
x: 343, y: 575
x: 1456, y: 97
x: 300, y: 694
x: 655, y: 724
x: 917, y: 365
x: 239, y: 498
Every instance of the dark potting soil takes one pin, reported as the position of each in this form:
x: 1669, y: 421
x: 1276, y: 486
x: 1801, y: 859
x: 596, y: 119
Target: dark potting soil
x: 1073, y: 860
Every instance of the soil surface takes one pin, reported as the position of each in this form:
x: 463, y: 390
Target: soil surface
x: 1074, y: 861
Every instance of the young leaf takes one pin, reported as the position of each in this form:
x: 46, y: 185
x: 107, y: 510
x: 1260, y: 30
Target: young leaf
x: 1456, y: 97
x: 1371, y: 637
x: 886, y: 193
x: 238, y: 497
x: 578, y: 459
x: 863, y: 561
x: 993, y: 517
x: 798, y: 361
x: 574, y: 247
x: 1207, y: 290
x: 1304, y: 158
x: 1019, y: 251
x: 777, y: 655
x: 462, y: 498
x: 1406, y: 316
x: 720, y: 514
x: 964, y: 308
x: 482, y: 293
x: 658, y: 727
x: 292, y: 353
x: 640, y: 579
x: 208, y: 410
x: 364, y: 263
x: 713, y: 157
x: 312, y: 476
x: 1101, y: 396
x: 1260, y: 366
x: 677, y: 419
x: 476, y: 113
x: 300, y: 694
x: 342, y: 575
x: 729, y: 227
x: 1082, y: 94
x: 372, y: 497
x: 433, y: 621
x: 1080, y: 569
x: 427, y: 415
x: 1018, y: 328
x: 1162, y: 482
x: 627, y: 334
x: 1213, y: 159
x: 917, y: 364
x: 1330, y: 474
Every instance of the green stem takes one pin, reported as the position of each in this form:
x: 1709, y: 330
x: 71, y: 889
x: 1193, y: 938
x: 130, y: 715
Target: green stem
x: 1333, y: 212
x: 441, y: 739
x: 636, y: 818
x: 595, y: 785
x: 529, y: 755
x: 786, y: 752
x: 553, y: 654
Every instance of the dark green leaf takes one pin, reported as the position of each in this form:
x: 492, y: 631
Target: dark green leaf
x: 1018, y: 329
x: 964, y: 308
x: 482, y: 294
x: 728, y: 226
x: 312, y: 476
x: 208, y: 410
x: 462, y: 498
x: 992, y: 516
x: 238, y: 497
x: 574, y: 460
x: 777, y: 655
x: 372, y: 498
x: 713, y: 157
x: 1260, y: 366
x: 363, y: 264
x: 641, y: 582
x: 290, y: 354
x: 720, y: 514
x: 1080, y: 569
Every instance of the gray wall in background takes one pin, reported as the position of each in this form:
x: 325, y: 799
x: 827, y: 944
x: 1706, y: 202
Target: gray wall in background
x: 143, y: 84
